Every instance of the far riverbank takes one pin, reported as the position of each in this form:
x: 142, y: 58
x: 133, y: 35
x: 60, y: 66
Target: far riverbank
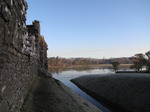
x: 58, y: 69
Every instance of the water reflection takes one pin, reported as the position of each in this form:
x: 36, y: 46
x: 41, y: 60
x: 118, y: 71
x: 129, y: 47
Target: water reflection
x: 58, y: 70
x: 102, y: 69
x: 66, y: 76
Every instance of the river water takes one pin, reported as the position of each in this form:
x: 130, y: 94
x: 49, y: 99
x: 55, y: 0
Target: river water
x: 66, y: 76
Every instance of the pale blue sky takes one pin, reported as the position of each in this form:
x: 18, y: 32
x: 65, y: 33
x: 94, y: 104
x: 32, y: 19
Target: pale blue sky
x: 93, y: 28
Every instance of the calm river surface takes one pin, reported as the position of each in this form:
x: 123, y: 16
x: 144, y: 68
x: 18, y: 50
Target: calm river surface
x: 66, y: 76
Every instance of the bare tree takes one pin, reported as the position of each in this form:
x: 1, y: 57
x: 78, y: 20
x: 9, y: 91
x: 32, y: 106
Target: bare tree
x: 139, y: 61
x: 148, y: 61
x: 115, y: 65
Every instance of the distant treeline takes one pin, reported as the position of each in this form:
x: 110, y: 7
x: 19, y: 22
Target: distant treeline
x: 58, y: 61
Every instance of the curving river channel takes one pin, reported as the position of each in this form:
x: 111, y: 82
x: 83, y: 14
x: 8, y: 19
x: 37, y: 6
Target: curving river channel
x: 66, y: 76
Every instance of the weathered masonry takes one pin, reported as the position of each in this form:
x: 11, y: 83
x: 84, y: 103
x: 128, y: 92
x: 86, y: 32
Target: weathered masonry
x: 23, y: 52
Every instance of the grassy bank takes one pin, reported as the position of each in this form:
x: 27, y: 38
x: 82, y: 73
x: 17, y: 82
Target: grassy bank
x: 121, y: 92
x: 50, y: 95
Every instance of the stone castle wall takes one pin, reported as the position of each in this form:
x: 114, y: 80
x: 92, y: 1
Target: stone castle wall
x: 23, y: 52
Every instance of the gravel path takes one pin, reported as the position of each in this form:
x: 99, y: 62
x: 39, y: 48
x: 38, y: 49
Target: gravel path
x: 123, y: 92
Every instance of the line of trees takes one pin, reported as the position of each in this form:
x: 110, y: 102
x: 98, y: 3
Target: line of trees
x: 141, y: 61
x: 138, y: 61
x: 58, y: 61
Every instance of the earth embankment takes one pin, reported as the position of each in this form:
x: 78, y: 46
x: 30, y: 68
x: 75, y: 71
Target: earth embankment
x: 123, y: 92
x: 50, y: 95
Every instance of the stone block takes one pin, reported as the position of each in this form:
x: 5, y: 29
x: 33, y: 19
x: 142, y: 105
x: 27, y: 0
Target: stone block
x: 1, y: 99
x: 9, y: 2
x: 4, y: 75
x: 1, y: 31
x: 6, y: 13
x: 7, y: 35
